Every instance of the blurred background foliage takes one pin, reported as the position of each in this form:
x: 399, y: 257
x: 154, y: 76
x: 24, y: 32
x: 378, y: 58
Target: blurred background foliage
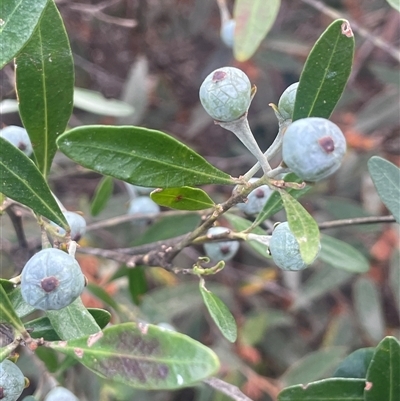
x: 153, y: 55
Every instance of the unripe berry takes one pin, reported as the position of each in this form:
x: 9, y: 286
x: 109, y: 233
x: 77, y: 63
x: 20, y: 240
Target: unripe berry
x: 285, y: 249
x: 256, y: 199
x: 60, y: 394
x: 227, y: 32
x: 313, y: 148
x: 143, y: 205
x: 18, y: 137
x: 51, y: 280
x: 226, y: 94
x: 76, y: 223
x: 223, y: 250
x: 286, y: 101
x: 12, y: 381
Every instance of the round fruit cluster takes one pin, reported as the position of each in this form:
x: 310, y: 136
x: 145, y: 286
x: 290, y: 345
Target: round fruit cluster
x: 51, y: 280
x: 12, y: 381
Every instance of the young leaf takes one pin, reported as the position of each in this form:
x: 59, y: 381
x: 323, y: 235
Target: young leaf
x: 23, y: 182
x: 327, y: 390
x: 254, y: 19
x: 103, y: 192
x: 325, y: 72
x: 73, y: 321
x: 143, y: 356
x: 384, y: 371
x: 8, y: 314
x: 303, y: 227
x: 139, y: 156
x: 220, y: 313
x: 386, y: 178
x: 183, y: 198
x: 18, y: 20
x: 356, y: 364
x: 341, y: 255
x: 45, y: 84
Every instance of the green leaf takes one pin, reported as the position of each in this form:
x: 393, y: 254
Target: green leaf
x: 341, y: 255
x: 368, y: 308
x: 73, y: 321
x: 325, y: 72
x: 183, y: 198
x: 254, y: 19
x: 102, y: 195
x: 326, y: 390
x: 386, y: 178
x: 356, y: 364
x: 101, y: 316
x: 137, y: 283
x: 18, y: 20
x: 139, y: 156
x: 103, y: 295
x: 8, y: 314
x: 313, y: 366
x: 303, y: 227
x: 96, y: 103
x: 220, y: 313
x: 143, y: 356
x: 395, y: 4
x: 23, y: 182
x: 21, y: 308
x: 274, y: 203
x: 50, y: 358
x: 384, y: 372
x: 45, y: 84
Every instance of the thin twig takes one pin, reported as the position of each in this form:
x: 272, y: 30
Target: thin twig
x: 16, y: 219
x: 228, y: 389
x: 357, y: 221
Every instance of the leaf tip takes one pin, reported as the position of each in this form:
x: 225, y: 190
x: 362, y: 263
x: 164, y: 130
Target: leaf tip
x: 346, y: 29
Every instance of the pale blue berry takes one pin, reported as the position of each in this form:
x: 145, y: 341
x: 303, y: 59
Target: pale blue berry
x: 222, y: 250
x: 60, y: 394
x: 12, y: 381
x: 287, y: 100
x: 51, y: 280
x: 143, y: 205
x: 226, y: 94
x: 256, y: 199
x: 285, y: 249
x: 18, y: 137
x: 313, y: 148
x: 76, y: 223
x: 227, y: 32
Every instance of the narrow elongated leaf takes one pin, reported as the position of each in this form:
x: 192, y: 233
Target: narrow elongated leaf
x: 103, y: 295
x: 220, y: 313
x: 18, y: 20
x: 184, y: 198
x: 303, y: 227
x: 23, y: 182
x: 386, y: 178
x: 7, y: 312
x: 139, y: 156
x: 143, y: 356
x: 356, y: 364
x: 254, y: 19
x: 45, y: 84
x: 325, y: 72
x: 274, y: 203
x: 102, y: 195
x: 326, y: 390
x: 341, y: 255
x: 73, y: 321
x: 368, y: 306
x: 384, y: 372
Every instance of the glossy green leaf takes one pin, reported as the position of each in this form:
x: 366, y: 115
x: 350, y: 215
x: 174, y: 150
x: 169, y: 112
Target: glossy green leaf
x: 8, y: 314
x: 50, y: 359
x: 183, y: 198
x: 368, y: 308
x: 73, y: 321
x: 326, y: 390
x: 325, y: 72
x: 254, y: 19
x: 303, y: 227
x: 18, y: 20
x: 139, y: 156
x: 384, y: 372
x: 314, y: 366
x: 143, y: 356
x: 386, y: 178
x: 103, y: 295
x: 102, y: 195
x: 137, y: 283
x: 220, y: 313
x: 341, y: 255
x: 395, y: 4
x: 356, y: 364
x: 23, y: 182
x: 96, y: 103
x: 101, y: 316
x: 274, y: 203
x: 21, y: 308
x: 45, y: 84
